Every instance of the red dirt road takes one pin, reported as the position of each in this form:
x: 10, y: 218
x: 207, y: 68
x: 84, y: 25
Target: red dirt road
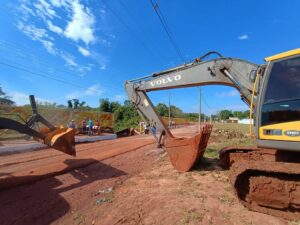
x: 137, y: 187
x: 46, y: 200
x: 32, y: 166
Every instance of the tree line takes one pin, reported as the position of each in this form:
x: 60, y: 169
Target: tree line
x: 125, y: 115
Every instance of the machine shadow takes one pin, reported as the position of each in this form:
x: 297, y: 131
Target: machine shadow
x: 41, y: 201
x: 206, y: 164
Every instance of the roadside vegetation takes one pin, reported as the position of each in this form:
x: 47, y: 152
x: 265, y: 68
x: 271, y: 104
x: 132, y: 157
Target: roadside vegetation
x: 124, y: 114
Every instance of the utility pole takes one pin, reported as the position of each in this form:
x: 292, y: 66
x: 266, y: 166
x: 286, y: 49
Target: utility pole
x: 169, y: 110
x: 199, y: 108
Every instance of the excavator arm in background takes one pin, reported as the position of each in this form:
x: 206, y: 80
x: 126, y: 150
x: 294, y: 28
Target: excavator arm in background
x: 184, y: 152
x: 62, y: 139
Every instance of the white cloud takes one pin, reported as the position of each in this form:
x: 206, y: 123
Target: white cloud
x: 36, y: 20
x: 243, y: 37
x: 32, y: 31
x: 225, y: 94
x: 38, y: 34
x: 84, y: 51
x: 120, y: 98
x: 26, y: 11
x: 237, y: 107
x: 100, y: 59
x: 93, y: 90
x: 44, y: 9
x: 81, y: 27
x: 70, y: 60
x: 58, y: 3
x: 19, y: 98
x: 73, y: 95
x: 49, y: 46
x: 54, y: 28
x: 23, y: 99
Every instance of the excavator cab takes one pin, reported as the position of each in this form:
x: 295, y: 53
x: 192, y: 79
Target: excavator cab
x: 279, y: 104
x: 61, y: 139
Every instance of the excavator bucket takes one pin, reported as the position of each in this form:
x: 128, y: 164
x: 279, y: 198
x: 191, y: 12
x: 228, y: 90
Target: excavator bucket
x: 62, y: 139
x: 184, y: 152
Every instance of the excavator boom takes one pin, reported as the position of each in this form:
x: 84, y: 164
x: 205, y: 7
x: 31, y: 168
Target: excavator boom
x: 223, y: 71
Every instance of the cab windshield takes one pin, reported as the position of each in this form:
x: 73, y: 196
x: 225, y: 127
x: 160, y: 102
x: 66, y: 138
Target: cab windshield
x: 282, y: 97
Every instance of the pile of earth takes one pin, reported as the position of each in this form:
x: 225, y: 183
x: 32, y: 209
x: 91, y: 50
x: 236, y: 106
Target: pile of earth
x: 229, y: 134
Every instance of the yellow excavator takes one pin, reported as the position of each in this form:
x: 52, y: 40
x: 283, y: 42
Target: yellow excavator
x: 62, y: 139
x: 266, y: 177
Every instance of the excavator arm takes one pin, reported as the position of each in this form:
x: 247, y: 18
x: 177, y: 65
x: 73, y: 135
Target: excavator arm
x: 183, y: 152
x: 222, y: 71
x: 62, y: 139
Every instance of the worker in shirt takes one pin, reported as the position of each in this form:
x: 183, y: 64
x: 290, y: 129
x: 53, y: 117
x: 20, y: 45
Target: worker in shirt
x: 90, y: 127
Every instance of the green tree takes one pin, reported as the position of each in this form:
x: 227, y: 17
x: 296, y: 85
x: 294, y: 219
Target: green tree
x: 104, y: 105
x: 4, y: 99
x: 126, y: 116
x: 70, y: 104
x: 113, y: 106
x: 246, y: 114
x: 76, y: 103
x: 176, y: 112
x: 238, y: 114
x: 215, y: 117
x: 225, y: 114
x: 82, y: 104
x: 162, y: 109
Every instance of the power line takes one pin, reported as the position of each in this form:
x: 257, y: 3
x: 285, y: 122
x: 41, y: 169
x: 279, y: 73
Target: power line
x: 134, y: 20
x: 131, y: 31
x: 23, y: 53
x: 43, y: 64
x: 167, y: 29
x: 47, y: 76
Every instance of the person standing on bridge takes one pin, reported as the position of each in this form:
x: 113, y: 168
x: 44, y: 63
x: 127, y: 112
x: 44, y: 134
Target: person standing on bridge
x: 90, y: 127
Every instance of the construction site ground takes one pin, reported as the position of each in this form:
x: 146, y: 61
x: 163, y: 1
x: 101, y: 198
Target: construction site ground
x: 123, y: 181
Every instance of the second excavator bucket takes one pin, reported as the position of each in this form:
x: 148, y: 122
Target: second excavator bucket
x: 184, y: 152
x: 62, y: 139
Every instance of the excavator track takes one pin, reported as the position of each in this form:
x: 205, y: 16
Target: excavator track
x: 265, y: 180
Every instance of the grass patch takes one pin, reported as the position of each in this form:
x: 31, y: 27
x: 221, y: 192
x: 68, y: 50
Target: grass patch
x: 226, y: 199
x: 294, y: 222
x: 108, y: 199
x: 192, y: 216
x: 218, y: 176
x: 211, y: 153
x: 244, y: 128
x: 80, y: 218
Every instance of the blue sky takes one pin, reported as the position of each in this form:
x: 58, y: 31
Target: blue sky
x: 93, y: 46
